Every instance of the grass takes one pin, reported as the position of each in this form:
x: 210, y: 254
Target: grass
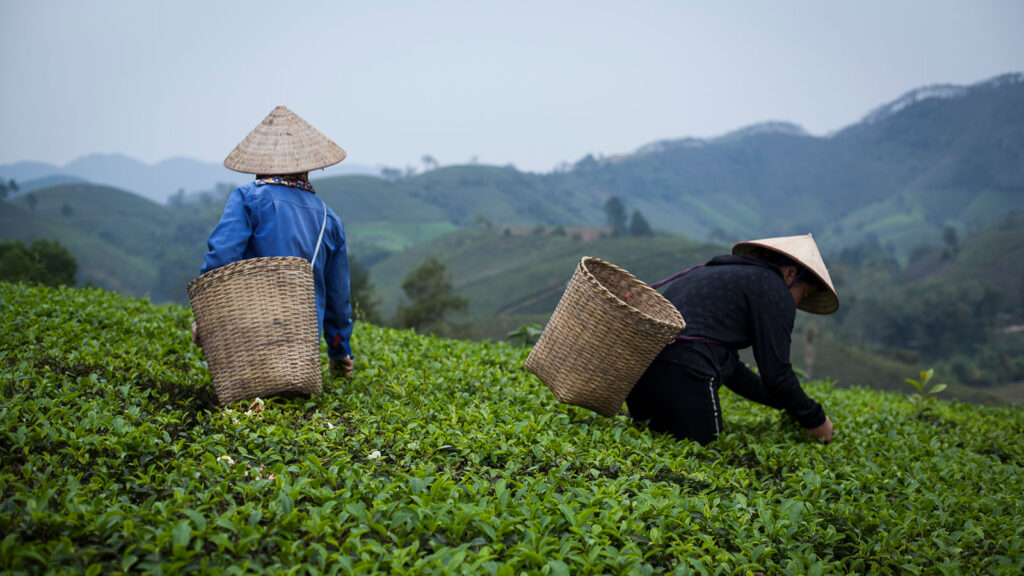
x: 444, y: 456
x: 395, y: 236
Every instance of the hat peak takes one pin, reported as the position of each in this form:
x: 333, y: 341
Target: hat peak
x: 283, y: 143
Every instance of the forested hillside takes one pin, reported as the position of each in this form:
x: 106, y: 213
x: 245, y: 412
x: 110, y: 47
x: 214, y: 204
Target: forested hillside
x: 444, y: 456
x: 916, y: 209
x: 935, y: 160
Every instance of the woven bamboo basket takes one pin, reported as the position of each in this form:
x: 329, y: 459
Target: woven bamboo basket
x: 258, y: 327
x: 606, y: 330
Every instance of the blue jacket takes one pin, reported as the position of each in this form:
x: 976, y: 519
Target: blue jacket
x: 274, y: 220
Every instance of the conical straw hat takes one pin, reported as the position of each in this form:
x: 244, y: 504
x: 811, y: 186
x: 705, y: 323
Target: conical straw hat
x: 802, y: 249
x: 283, y: 144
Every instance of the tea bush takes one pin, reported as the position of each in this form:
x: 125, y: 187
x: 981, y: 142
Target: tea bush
x: 444, y: 456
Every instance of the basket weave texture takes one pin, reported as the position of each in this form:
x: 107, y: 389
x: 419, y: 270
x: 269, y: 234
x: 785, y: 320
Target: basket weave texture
x: 606, y: 330
x: 258, y: 326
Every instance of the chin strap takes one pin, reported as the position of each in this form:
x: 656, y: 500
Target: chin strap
x: 798, y: 276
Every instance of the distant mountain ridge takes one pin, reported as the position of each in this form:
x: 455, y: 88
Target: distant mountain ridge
x: 933, y: 158
x: 936, y: 158
x: 154, y: 181
x: 943, y: 91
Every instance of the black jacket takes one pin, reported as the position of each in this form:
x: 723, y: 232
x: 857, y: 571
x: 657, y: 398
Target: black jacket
x: 741, y: 301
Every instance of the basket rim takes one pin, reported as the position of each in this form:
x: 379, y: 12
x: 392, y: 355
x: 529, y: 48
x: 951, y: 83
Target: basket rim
x: 244, y: 263
x: 607, y: 294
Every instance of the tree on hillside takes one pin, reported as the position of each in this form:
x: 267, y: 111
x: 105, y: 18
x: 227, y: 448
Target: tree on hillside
x: 429, y: 162
x: 952, y: 240
x: 586, y: 163
x: 616, y: 215
x: 177, y: 267
x: 43, y: 262
x: 720, y: 235
x: 936, y: 319
x: 222, y: 190
x: 177, y: 200
x: 32, y: 201
x: 638, y: 225
x: 482, y: 221
x: 8, y: 189
x: 429, y: 291
x: 365, y: 303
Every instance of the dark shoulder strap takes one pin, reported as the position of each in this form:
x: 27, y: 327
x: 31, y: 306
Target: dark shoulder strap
x: 657, y: 285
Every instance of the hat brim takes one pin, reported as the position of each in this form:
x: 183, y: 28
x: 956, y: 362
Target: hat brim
x: 283, y: 143
x: 803, y: 250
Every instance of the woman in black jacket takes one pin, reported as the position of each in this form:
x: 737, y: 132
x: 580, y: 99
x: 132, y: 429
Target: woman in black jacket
x: 748, y: 298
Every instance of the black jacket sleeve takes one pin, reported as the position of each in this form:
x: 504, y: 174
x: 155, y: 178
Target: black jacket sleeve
x: 772, y: 327
x: 746, y: 383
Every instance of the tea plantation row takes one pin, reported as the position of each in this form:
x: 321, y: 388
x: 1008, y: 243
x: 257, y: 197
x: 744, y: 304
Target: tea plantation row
x: 447, y: 457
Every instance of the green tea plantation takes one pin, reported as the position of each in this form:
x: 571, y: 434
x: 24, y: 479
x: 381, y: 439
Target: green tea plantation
x: 446, y: 457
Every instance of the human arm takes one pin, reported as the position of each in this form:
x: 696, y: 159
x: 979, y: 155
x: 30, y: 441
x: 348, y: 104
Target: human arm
x: 230, y: 237
x: 772, y: 320
x: 338, y: 306
x: 747, y: 383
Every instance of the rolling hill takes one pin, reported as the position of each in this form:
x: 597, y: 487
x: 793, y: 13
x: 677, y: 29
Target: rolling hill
x: 156, y: 182
x: 935, y: 158
x: 937, y: 161
x: 100, y: 262
x: 525, y: 274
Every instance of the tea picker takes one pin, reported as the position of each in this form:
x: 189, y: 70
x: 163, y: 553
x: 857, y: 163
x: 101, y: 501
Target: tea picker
x: 745, y: 299
x: 616, y: 344
x: 277, y: 271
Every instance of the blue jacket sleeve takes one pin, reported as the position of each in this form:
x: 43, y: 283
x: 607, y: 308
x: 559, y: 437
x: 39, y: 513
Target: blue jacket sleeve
x: 230, y: 237
x: 338, y: 311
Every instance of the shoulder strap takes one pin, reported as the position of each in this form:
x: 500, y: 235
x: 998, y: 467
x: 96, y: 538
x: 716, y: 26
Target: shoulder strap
x: 323, y: 226
x: 657, y: 285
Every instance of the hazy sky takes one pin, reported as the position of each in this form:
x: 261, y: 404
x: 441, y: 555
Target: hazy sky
x: 528, y: 83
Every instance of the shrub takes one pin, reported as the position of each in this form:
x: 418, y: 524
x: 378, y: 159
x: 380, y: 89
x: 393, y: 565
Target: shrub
x: 42, y: 262
x: 428, y: 289
x: 442, y: 457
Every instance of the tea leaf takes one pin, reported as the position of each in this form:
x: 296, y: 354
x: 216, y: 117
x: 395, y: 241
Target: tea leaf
x: 114, y: 457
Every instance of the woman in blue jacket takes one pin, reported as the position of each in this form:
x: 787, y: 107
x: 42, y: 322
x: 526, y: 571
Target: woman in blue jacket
x: 279, y: 214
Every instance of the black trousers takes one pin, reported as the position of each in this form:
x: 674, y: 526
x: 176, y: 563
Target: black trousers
x: 677, y: 401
